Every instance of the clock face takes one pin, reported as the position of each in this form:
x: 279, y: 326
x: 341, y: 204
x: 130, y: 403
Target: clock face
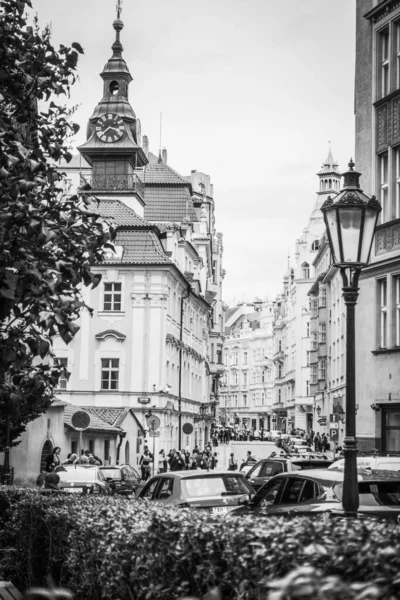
x: 110, y: 128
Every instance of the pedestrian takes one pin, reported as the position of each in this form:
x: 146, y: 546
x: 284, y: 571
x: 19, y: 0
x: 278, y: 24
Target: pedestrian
x: 53, y: 460
x: 71, y: 459
x: 193, y: 460
x: 232, y: 463
x: 324, y: 442
x: 145, y: 464
x: 250, y: 460
x: 162, y: 462
x: 204, y: 462
x: 317, y: 442
x: 214, y: 460
x: 188, y: 460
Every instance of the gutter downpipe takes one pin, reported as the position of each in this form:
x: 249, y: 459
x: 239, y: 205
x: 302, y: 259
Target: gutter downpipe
x: 184, y: 297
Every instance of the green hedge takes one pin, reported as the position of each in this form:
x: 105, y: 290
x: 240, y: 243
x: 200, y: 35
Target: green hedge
x: 119, y: 548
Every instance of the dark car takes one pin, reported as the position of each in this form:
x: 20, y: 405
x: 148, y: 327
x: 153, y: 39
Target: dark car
x: 266, y: 468
x: 86, y: 479
x: 320, y: 491
x: 215, y: 491
x: 123, y: 479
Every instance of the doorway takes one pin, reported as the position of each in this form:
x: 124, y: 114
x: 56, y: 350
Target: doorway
x: 46, y: 451
x: 391, y: 429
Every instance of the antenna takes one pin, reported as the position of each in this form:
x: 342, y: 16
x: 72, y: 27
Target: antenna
x: 160, y: 129
x: 118, y: 6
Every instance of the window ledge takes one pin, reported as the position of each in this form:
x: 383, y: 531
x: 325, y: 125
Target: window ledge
x: 111, y: 313
x: 386, y: 350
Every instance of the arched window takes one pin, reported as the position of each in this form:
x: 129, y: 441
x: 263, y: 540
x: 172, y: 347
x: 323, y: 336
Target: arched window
x: 127, y: 454
x: 114, y: 88
x: 330, y: 184
x: 315, y: 245
x: 305, y: 270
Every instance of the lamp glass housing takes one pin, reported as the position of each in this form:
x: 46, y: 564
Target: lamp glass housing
x: 350, y: 229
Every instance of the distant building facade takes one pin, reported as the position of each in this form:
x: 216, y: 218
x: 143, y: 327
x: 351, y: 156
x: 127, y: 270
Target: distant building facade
x: 247, y: 384
x: 300, y: 355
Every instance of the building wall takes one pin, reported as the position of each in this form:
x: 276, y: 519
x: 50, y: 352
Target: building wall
x: 377, y: 158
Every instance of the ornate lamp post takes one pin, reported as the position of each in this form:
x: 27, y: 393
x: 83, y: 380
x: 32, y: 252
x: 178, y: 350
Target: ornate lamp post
x: 350, y: 220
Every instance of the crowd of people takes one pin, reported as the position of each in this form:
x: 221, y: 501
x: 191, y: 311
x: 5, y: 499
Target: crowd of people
x: 178, y: 460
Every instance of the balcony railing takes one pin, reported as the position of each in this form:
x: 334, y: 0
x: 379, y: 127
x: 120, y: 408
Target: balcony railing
x: 131, y: 182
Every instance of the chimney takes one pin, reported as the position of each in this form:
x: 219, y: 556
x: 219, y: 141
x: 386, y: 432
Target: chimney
x: 164, y: 156
x: 146, y: 145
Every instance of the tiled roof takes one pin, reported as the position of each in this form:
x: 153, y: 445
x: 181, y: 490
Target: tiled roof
x: 160, y: 173
x: 140, y: 247
x: 168, y: 204
x: 119, y: 215
x: 101, y: 419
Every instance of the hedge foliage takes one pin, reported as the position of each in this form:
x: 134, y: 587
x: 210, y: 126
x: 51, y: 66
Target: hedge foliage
x: 119, y: 548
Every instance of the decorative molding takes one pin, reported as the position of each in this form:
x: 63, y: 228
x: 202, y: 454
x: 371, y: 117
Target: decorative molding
x: 382, y: 10
x: 387, y: 238
x: 380, y: 269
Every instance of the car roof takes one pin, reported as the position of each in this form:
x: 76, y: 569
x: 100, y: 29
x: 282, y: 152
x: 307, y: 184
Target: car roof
x: 338, y: 476
x: 70, y: 467
x: 196, y: 473
x: 297, y: 457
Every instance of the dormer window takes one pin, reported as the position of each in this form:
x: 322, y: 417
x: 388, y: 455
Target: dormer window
x: 114, y: 88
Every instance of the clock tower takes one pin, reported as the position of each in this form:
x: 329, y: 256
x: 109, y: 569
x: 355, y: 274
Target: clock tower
x: 113, y: 147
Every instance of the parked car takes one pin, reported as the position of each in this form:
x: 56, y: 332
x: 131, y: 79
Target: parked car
x: 385, y: 463
x: 216, y: 492
x: 321, y: 490
x: 123, y: 479
x: 266, y: 468
x: 86, y: 479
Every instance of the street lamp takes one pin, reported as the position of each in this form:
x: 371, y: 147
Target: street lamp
x: 318, y: 411
x: 350, y: 220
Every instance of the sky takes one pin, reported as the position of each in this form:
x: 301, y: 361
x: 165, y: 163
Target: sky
x: 251, y: 92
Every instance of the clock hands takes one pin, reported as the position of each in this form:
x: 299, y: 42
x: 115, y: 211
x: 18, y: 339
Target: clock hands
x: 105, y: 131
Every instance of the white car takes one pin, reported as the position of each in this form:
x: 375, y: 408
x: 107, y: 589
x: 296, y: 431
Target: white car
x: 384, y: 463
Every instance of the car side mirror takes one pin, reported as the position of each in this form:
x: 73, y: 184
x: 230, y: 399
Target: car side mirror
x: 270, y: 498
x: 244, y: 500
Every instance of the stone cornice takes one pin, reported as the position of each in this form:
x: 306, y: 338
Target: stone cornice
x: 382, y: 10
x: 381, y: 268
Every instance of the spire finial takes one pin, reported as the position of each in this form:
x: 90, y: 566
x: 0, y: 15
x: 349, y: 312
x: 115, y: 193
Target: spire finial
x: 119, y: 8
x: 118, y: 25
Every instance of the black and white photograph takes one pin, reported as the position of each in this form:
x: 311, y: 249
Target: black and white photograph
x: 199, y: 299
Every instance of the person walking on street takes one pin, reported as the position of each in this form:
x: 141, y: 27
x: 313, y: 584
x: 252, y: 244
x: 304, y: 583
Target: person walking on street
x: 232, y: 463
x: 145, y: 464
x: 162, y: 462
x: 317, y: 442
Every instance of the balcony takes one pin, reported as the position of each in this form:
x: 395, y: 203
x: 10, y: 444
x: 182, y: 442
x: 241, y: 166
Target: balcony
x: 121, y: 183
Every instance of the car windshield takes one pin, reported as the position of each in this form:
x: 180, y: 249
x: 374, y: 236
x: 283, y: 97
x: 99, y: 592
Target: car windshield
x: 112, y: 473
x: 79, y: 475
x: 375, y: 493
x: 196, y: 487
